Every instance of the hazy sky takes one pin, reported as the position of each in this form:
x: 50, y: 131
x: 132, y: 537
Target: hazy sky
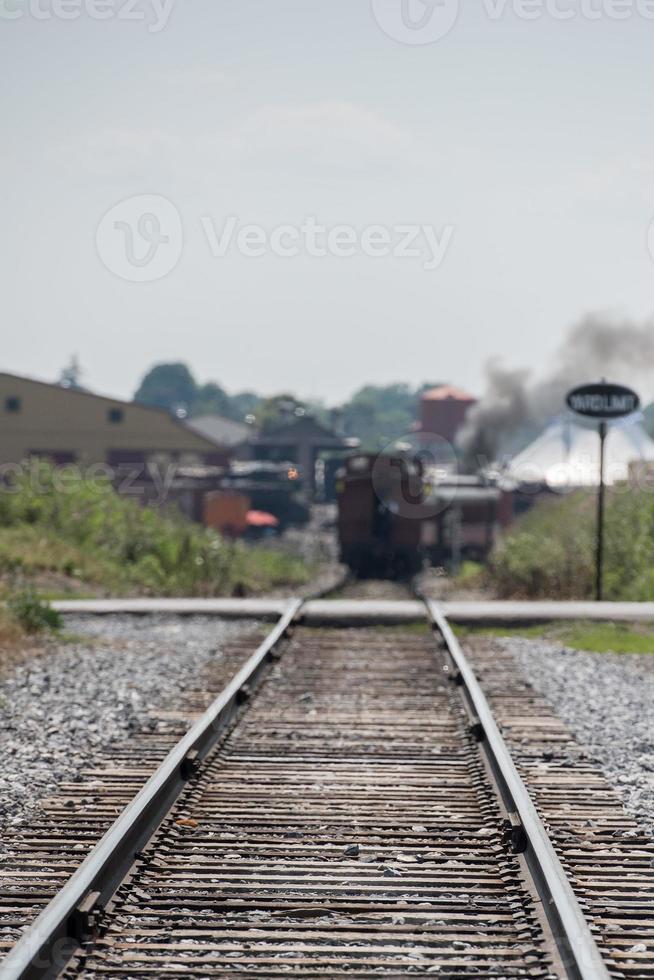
x: 525, y: 146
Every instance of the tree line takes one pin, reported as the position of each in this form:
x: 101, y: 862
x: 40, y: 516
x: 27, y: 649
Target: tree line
x: 375, y: 414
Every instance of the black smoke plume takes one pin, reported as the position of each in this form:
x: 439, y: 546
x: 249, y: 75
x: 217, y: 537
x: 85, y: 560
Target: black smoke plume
x: 514, y: 407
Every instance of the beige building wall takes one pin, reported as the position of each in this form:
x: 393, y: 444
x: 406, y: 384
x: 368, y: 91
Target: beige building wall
x: 41, y: 418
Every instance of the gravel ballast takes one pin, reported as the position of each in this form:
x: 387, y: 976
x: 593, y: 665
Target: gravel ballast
x: 60, y: 709
x: 607, y: 700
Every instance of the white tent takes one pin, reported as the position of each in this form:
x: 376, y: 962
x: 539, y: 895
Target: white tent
x: 567, y: 454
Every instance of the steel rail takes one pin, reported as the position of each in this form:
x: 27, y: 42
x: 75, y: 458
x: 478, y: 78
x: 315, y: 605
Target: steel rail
x: 579, y: 953
x: 480, y: 611
x: 54, y: 935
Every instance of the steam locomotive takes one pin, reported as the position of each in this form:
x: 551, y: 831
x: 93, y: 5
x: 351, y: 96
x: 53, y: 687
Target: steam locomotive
x: 393, y: 519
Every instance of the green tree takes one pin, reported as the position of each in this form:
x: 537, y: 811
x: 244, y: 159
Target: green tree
x: 379, y: 414
x: 242, y: 404
x: 167, y: 386
x: 211, y: 399
x: 279, y: 410
x: 71, y: 374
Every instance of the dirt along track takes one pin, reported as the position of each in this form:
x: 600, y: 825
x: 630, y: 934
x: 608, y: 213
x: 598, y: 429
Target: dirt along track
x: 373, y: 589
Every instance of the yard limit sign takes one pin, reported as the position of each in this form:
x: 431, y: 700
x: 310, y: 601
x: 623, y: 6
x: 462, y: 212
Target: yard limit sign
x: 602, y: 401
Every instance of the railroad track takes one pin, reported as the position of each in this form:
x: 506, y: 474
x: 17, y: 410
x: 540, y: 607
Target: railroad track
x: 346, y: 806
x: 375, y: 589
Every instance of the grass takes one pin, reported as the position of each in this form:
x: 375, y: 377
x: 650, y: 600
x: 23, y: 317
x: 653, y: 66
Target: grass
x: 79, y: 536
x: 470, y: 573
x: 595, y: 637
x: 20, y: 621
x: 11, y: 631
x: 32, y: 613
x: 550, y: 552
x: 533, y: 631
x: 610, y: 637
x: 414, y: 628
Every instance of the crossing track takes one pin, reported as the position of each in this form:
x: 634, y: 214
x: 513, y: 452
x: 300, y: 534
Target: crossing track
x: 349, y: 808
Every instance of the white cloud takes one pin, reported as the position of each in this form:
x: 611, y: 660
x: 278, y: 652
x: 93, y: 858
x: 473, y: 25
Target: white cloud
x: 333, y: 137
x: 623, y: 180
x: 110, y: 153
x: 199, y: 75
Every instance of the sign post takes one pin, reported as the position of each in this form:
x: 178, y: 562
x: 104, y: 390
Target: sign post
x: 599, y: 563
x: 602, y: 401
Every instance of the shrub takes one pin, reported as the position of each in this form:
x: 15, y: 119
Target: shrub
x: 33, y: 614
x: 52, y: 521
x: 550, y: 552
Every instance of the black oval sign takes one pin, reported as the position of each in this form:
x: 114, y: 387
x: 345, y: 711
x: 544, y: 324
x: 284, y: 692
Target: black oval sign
x: 603, y: 401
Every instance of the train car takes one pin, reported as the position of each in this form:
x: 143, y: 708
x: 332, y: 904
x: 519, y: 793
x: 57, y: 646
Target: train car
x: 460, y: 522
x: 392, y: 519
x: 376, y: 537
